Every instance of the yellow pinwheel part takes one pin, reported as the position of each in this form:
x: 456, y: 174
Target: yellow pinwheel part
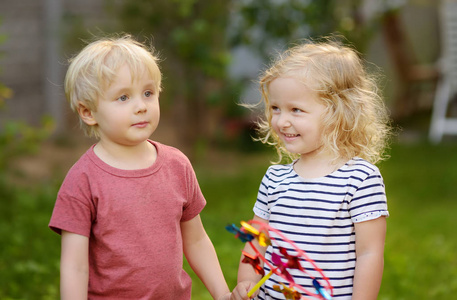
x: 264, y: 240
x: 249, y: 228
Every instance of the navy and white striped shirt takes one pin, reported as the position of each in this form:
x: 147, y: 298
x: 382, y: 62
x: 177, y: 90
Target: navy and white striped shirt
x: 318, y: 215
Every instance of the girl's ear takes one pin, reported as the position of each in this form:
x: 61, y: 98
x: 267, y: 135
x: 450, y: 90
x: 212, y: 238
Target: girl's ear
x: 86, y: 114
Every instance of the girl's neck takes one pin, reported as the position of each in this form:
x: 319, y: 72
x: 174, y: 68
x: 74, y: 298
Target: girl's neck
x: 123, y: 157
x: 316, y: 166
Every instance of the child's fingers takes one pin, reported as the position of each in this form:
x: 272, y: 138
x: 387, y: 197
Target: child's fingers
x: 251, y: 285
x: 241, y: 291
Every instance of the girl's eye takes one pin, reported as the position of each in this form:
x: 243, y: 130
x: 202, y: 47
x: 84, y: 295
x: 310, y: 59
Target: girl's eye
x: 148, y: 94
x: 123, y: 98
x: 296, y: 110
x: 275, y: 108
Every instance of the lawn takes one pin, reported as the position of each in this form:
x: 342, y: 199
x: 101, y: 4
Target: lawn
x: 420, y: 260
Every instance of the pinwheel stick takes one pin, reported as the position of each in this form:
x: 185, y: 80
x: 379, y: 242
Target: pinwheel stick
x: 259, y: 284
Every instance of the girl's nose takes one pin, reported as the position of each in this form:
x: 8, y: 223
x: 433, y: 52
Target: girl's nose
x: 283, y: 120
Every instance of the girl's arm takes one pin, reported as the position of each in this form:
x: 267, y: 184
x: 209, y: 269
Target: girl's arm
x: 247, y: 277
x: 74, y: 266
x: 369, y: 243
x: 202, y: 258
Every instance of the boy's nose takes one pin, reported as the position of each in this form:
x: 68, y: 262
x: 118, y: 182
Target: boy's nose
x: 140, y: 106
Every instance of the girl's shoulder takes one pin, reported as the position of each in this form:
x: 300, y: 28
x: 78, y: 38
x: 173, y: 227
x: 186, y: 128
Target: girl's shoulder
x: 279, y: 173
x: 357, y: 164
x: 280, y: 169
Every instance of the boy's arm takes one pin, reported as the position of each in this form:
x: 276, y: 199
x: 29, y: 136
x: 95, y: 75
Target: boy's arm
x: 369, y: 243
x: 74, y: 266
x: 247, y: 277
x: 202, y: 258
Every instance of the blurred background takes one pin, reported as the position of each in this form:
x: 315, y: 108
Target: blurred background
x: 211, y: 55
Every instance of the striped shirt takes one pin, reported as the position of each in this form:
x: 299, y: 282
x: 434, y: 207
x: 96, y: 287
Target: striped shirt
x: 318, y: 215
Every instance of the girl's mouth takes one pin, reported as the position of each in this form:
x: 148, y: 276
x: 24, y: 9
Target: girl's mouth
x: 288, y: 135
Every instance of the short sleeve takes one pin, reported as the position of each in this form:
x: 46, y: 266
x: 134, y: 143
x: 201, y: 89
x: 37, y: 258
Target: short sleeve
x: 73, y: 210
x: 195, y: 201
x: 261, y: 207
x: 369, y: 201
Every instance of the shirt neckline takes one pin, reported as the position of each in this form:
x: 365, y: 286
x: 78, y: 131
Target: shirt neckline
x: 129, y: 173
x: 314, y: 179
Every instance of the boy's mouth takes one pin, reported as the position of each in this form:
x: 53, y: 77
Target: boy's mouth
x: 140, y: 124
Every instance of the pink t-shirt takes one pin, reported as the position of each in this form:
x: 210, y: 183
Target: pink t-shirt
x: 132, y: 219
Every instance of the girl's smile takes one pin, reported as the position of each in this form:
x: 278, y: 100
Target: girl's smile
x: 296, y: 115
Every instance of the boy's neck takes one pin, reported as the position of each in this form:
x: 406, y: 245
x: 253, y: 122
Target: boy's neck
x: 124, y: 157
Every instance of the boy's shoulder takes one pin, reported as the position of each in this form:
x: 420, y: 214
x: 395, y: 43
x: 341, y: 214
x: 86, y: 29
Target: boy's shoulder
x: 167, y: 152
x: 83, y: 161
x: 82, y: 166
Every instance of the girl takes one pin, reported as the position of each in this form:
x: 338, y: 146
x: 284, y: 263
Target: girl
x: 322, y: 110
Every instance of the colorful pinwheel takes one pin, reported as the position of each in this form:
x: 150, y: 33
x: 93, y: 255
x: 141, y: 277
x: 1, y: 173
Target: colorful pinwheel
x: 281, y: 262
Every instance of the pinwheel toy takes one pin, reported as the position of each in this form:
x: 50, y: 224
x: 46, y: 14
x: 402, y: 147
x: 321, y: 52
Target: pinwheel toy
x: 281, y: 262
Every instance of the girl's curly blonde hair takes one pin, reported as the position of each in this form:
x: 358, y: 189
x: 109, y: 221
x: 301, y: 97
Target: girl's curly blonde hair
x: 356, y: 122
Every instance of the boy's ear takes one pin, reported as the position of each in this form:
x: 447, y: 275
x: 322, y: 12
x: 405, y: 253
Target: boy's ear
x: 86, y: 114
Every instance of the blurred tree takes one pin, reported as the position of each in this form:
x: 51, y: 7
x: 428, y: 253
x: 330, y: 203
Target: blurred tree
x: 191, y: 40
x: 194, y: 39
x: 266, y: 24
x: 5, y: 92
x: 16, y: 137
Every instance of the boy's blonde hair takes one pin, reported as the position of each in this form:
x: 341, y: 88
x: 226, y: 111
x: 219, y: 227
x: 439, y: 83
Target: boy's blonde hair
x: 95, y: 68
x: 356, y: 122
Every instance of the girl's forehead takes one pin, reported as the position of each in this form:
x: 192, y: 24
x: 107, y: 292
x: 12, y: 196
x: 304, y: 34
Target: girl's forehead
x: 290, y: 84
x: 291, y: 89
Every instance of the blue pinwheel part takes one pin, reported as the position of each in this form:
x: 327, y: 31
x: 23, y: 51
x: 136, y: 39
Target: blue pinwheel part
x: 243, y: 236
x: 320, y: 290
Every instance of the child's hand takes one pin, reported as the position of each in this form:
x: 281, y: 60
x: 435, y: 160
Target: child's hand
x: 227, y: 296
x: 240, y: 292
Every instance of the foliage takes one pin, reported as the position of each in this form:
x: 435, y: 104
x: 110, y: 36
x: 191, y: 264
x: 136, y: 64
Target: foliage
x: 17, y: 138
x: 189, y: 35
x: 5, y: 92
x: 265, y: 25
x: 30, y: 252
x: 195, y: 38
x: 420, y: 261
x: 26, y: 258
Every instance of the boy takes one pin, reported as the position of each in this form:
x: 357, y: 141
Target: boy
x: 129, y: 208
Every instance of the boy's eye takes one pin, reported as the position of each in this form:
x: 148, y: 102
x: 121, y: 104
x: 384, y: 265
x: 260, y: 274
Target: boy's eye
x: 123, y: 98
x: 148, y: 94
x: 296, y: 110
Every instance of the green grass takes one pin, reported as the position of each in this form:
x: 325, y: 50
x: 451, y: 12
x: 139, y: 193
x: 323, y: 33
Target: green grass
x: 420, y: 259
x: 29, y: 251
